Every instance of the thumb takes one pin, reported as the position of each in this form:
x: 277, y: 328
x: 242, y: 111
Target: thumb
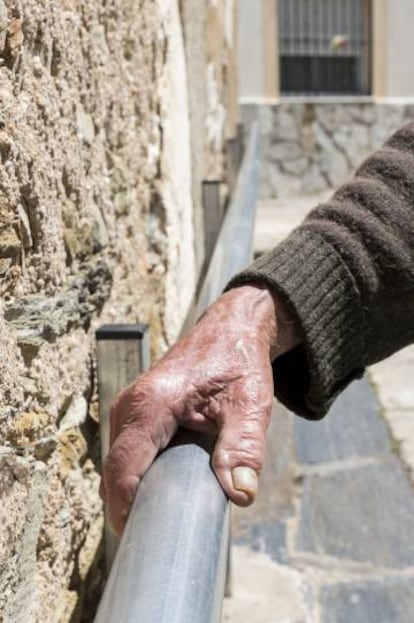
x: 238, y: 457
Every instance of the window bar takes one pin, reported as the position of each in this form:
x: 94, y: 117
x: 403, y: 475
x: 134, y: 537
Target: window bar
x: 359, y: 46
x: 321, y: 32
x: 349, y: 26
x: 330, y: 32
x: 302, y: 27
x: 311, y: 63
x: 308, y: 30
x: 359, y: 34
x: 338, y: 23
x: 338, y: 73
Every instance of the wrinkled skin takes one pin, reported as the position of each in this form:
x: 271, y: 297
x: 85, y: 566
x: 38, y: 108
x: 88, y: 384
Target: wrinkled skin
x: 217, y: 379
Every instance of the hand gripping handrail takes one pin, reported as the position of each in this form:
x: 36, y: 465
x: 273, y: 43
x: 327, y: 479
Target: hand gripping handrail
x: 171, y: 561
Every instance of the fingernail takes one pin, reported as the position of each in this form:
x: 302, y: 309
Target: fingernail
x: 245, y: 479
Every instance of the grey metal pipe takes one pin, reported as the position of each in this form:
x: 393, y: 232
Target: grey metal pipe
x: 170, y: 565
x: 234, y: 246
x: 171, y: 561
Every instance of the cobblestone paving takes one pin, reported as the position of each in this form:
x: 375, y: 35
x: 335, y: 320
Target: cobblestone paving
x: 330, y: 538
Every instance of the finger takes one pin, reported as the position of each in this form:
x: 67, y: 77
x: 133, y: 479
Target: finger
x: 238, y: 457
x: 131, y: 455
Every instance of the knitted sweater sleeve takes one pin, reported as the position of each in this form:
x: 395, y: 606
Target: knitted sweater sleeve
x: 347, y: 275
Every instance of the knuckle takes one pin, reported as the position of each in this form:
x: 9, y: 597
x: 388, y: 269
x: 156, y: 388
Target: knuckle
x: 114, y: 466
x: 249, y: 434
x: 133, y: 401
x: 249, y: 445
x: 227, y: 459
x: 158, y: 386
x: 220, y: 459
x: 241, y: 447
x: 113, y: 412
x: 150, y: 388
x: 248, y: 459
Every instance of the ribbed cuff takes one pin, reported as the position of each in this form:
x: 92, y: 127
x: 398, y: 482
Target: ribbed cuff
x: 320, y: 292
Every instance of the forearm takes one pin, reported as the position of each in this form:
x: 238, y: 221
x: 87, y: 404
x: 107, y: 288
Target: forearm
x: 347, y: 277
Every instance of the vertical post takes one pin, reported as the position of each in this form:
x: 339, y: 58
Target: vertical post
x: 234, y: 157
x: 240, y: 145
x: 213, y: 214
x: 231, y: 149
x: 231, y: 156
x: 123, y: 352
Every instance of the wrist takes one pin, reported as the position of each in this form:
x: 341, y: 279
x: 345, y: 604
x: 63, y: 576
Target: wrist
x: 268, y: 314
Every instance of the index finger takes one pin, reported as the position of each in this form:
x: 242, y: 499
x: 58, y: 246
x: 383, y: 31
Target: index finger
x: 130, y: 456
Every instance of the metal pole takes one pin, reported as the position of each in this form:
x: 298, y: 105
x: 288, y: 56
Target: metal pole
x: 234, y: 247
x: 170, y: 566
x: 171, y: 563
x: 213, y: 214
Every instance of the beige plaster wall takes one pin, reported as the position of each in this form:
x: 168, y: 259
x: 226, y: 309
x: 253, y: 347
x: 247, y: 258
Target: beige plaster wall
x: 399, y: 43
x: 251, y: 50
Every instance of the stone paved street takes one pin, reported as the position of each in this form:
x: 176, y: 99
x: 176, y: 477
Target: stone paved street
x: 330, y: 538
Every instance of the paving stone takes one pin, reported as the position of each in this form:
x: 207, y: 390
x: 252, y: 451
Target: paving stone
x: 265, y: 592
x: 261, y: 527
x: 369, y: 602
x: 353, y: 428
x: 401, y: 423
x: 393, y: 379
x: 363, y: 514
x: 277, y: 218
x: 267, y: 537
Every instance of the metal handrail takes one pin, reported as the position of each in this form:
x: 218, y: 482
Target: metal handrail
x: 171, y: 561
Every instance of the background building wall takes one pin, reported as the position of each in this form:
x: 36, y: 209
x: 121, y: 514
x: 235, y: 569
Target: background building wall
x: 100, y: 221
x: 251, y: 54
x: 313, y: 143
x: 392, y: 49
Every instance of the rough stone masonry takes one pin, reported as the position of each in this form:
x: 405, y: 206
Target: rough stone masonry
x: 111, y: 114
x: 311, y: 146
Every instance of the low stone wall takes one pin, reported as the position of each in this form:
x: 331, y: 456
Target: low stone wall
x: 309, y: 147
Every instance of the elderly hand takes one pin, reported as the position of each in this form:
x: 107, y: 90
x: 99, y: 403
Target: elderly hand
x: 217, y: 379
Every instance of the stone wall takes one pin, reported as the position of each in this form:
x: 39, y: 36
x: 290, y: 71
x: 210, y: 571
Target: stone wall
x: 111, y: 115
x: 309, y: 147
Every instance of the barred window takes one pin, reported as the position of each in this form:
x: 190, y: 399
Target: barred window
x: 324, y: 47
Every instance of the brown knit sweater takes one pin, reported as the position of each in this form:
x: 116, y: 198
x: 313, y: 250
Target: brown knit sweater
x: 347, y: 274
